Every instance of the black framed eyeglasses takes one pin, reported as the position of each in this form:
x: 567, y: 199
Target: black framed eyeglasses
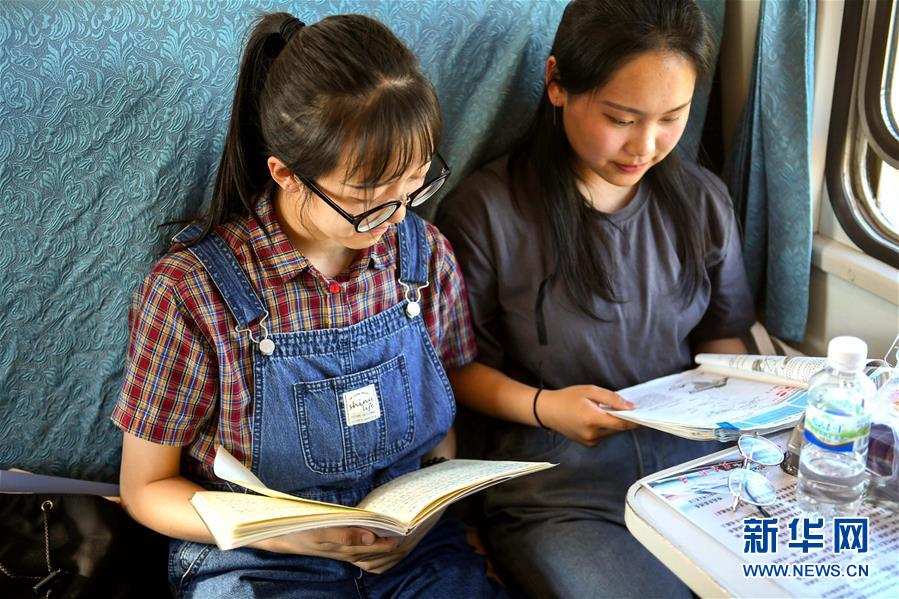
x: 368, y: 220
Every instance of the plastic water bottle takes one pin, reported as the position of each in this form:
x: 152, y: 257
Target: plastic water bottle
x: 883, y: 448
x: 832, y: 475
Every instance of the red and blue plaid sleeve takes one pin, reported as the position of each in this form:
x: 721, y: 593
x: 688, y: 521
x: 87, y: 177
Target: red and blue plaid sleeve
x: 170, y: 382
x: 456, y: 346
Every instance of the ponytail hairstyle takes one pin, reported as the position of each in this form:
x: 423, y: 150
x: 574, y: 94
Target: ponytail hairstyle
x: 594, y: 39
x: 344, y: 89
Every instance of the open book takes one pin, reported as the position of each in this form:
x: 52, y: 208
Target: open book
x: 395, y: 508
x: 726, y: 396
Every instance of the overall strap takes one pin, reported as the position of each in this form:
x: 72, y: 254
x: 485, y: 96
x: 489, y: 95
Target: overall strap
x: 415, y: 252
x: 229, y: 278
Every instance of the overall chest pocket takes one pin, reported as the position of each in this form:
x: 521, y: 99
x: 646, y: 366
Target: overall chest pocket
x: 357, y: 420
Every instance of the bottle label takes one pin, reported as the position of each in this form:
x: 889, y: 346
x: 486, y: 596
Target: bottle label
x: 835, y: 431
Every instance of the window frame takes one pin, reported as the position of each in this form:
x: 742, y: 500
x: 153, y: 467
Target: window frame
x: 882, y: 135
x: 858, y: 126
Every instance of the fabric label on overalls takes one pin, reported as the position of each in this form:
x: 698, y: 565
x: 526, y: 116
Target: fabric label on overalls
x: 361, y: 405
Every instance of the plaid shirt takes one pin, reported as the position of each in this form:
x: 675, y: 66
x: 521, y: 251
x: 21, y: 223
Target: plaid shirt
x: 188, y: 378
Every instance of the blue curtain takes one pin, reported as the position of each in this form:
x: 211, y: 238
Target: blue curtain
x: 769, y: 170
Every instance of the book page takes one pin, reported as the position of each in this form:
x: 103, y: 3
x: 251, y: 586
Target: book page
x: 238, y: 519
x: 405, y: 497
x: 228, y: 468
x: 701, y: 495
x: 701, y: 400
x: 783, y: 370
x: 241, y: 508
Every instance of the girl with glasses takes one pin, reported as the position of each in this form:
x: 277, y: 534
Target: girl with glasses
x: 304, y: 323
x: 595, y: 260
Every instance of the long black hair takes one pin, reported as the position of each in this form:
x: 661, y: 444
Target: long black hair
x: 594, y: 39
x: 345, y: 89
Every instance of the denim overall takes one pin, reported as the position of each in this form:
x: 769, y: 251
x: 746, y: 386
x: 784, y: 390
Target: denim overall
x: 337, y: 412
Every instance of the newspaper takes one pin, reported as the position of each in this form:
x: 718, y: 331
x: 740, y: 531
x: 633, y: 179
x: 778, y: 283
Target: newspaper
x: 701, y: 495
x: 783, y: 370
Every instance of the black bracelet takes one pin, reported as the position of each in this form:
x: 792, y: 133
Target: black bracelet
x: 432, y: 461
x: 537, y: 418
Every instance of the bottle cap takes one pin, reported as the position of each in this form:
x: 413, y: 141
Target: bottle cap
x: 847, y: 353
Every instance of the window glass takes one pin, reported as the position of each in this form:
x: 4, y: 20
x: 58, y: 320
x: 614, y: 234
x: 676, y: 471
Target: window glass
x: 886, y: 178
x: 863, y: 152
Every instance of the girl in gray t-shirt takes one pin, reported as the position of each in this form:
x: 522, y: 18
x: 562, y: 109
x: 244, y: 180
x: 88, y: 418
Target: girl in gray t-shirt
x: 594, y: 261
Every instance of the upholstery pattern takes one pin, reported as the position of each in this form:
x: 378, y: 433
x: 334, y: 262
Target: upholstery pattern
x: 112, y: 117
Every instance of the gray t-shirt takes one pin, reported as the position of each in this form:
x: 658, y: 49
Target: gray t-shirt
x: 503, y: 249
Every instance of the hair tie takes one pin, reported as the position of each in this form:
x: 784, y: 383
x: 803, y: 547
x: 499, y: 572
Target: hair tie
x: 290, y: 27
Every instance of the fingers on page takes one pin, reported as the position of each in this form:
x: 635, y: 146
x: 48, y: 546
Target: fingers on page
x: 609, y: 399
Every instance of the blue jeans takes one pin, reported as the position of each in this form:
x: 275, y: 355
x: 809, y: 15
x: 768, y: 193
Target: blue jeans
x: 561, y: 533
x: 442, y: 565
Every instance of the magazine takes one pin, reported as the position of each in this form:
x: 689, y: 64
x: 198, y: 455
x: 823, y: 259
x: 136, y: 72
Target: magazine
x: 725, y: 396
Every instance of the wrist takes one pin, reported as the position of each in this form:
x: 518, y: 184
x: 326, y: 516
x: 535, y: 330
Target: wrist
x: 538, y: 413
x: 286, y: 543
x: 267, y: 545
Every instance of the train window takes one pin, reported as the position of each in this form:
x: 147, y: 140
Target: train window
x: 863, y: 144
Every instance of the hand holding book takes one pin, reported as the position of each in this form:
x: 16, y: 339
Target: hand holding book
x: 582, y: 413
x: 354, y: 545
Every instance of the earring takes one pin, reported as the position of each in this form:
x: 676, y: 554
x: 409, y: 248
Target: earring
x: 555, y: 110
